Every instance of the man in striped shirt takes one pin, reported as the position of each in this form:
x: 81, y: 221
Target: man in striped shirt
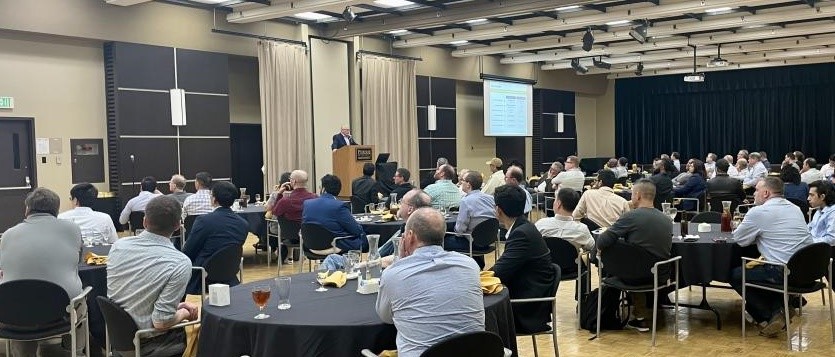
x: 200, y: 202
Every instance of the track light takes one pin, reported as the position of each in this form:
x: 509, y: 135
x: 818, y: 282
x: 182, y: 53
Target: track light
x: 599, y: 63
x: 718, y: 61
x: 640, y: 70
x: 588, y: 40
x: 639, y: 33
x: 694, y: 77
x: 575, y: 63
x: 348, y: 14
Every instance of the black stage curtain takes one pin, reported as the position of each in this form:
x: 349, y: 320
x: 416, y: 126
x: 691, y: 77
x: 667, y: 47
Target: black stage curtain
x: 775, y: 109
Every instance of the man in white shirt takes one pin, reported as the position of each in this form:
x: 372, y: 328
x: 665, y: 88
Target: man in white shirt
x: 810, y: 172
x: 563, y: 225
x: 572, y: 177
x: 756, y: 170
x: 828, y: 170
x: 137, y: 204
x: 676, y: 160
x: 710, y: 165
x: 91, y: 223
x: 496, y: 179
x: 200, y: 202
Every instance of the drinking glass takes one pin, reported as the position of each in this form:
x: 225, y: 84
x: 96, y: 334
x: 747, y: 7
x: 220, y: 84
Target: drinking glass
x: 358, y: 253
x: 257, y: 198
x: 283, y: 286
x: 261, y: 295
x: 351, y: 260
x: 672, y: 212
x: 322, y: 273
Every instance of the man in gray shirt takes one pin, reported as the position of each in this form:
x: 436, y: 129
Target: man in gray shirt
x: 42, y: 247
x: 643, y: 226
x: 429, y: 294
x: 177, y: 185
x: 147, y: 276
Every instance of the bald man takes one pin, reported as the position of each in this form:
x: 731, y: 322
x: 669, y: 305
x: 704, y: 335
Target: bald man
x: 343, y: 138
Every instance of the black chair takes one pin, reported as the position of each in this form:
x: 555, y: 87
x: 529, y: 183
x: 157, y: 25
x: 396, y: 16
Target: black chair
x: 289, y: 234
x: 707, y: 217
x: 803, y: 274
x: 638, y: 271
x: 803, y: 205
x: 716, y: 202
x: 485, y: 234
x: 316, y: 237
x: 634, y: 177
x: 42, y: 310
x: 569, y: 259
x: 357, y: 205
x: 122, y: 333
x: 589, y: 223
x: 480, y: 343
x: 222, y: 267
x: 135, y: 221
x: 188, y: 222
x: 551, y: 298
x: 622, y: 180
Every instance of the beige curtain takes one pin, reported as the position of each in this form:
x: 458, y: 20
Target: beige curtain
x: 389, y: 113
x: 286, y: 124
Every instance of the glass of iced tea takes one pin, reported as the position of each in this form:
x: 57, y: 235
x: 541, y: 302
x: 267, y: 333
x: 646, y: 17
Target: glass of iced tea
x: 261, y: 295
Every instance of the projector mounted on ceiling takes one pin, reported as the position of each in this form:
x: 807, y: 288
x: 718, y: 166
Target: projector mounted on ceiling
x: 694, y: 77
x: 718, y: 61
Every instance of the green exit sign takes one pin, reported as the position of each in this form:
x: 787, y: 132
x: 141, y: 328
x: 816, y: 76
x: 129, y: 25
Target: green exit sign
x: 6, y: 102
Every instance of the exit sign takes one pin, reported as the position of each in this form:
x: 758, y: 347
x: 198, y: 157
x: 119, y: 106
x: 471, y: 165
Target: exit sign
x: 6, y: 102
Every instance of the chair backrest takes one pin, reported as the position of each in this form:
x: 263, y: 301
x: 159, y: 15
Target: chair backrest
x: 716, y: 202
x: 316, y: 237
x: 486, y: 233
x: 589, y: 223
x: 223, y: 266
x: 135, y: 220
x: 707, y: 217
x: 629, y: 262
x: 479, y: 343
x: 803, y: 205
x: 563, y: 254
x: 288, y: 229
x: 808, y: 264
x: 32, y: 302
x: 188, y: 222
x: 357, y: 205
x: 120, y: 325
x: 622, y: 180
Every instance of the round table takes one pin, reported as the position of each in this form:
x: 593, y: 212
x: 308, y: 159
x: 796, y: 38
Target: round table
x: 95, y: 276
x: 338, y: 322
x: 707, y: 260
x: 387, y: 229
x: 256, y: 222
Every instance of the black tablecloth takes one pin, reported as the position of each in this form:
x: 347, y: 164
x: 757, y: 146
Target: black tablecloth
x: 705, y: 260
x: 95, y: 276
x: 254, y: 216
x: 387, y: 229
x: 338, y: 322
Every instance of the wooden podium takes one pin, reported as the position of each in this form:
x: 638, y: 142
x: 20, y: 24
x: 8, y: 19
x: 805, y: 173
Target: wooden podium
x: 348, y: 162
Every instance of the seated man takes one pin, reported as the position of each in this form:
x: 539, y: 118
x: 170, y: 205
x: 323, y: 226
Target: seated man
x: 572, y: 177
x: 444, y: 193
x: 779, y: 230
x: 23, y: 255
x: 137, y: 204
x: 429, y: 294
x: 92, y: 223
x: 215, y: 231
x: 543, y: 192
x: 476, y: 207
x: 364, y: 189
x: 822, y: 198
x: 663, y: 182
x: 810, y: 172
x: 756, y: 170
x: 289, y: 205
x: 515, y: 176
x: 177, y: 185
x: 147, y: 276
x: 829, y: 169
x: 525, y: 266
x: 563, y: 225
x: 401, y: 182
x: 722, y: 187
x: 200, y: 202
x: 643, y: 226
x: 601, y: 205
x: 496, y: 178
x: 335, y: 216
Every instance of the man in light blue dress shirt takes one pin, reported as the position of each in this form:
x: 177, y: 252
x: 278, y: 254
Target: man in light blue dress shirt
x: 429, y: 294
x: 779, y: 230
x: 822, y: 198
x: 476, y: 207
x: 756, y: 170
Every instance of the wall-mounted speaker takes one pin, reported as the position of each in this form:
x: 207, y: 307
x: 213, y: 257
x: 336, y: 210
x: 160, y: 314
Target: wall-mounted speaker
x: 432, y: 118
x: 178, y: 107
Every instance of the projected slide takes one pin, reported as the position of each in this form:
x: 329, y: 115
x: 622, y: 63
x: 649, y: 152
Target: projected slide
x: 508, y: 108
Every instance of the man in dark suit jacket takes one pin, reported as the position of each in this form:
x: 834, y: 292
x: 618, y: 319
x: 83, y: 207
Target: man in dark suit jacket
x: 344, y: 138
x: 334, y: 215
x: 724, y: 188
x: 525, y: 266
x: 364, y: 189
x: 214, y: 231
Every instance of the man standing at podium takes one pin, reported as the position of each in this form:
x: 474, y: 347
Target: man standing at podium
x: 344, y: 138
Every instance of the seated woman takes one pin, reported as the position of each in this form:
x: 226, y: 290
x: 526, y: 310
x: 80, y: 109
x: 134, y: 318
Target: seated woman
x: 794, y: 188
x: 694, y: 186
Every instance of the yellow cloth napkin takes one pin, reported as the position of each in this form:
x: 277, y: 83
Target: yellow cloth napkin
x: 388, y: 353
x: 337, y: 279
x: 754, y: 263
x: 490, y: 284
x: 94, y: 259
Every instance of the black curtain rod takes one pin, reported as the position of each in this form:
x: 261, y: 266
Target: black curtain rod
x: 241, y: 34
x: 507, y: 79
x: 363, y: 52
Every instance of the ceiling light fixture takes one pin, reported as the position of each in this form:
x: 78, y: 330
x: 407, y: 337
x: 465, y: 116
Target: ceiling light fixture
x: 639, y: 33
x: 567, y: 8
x: 599, y: 63
x: 694, y: 77
x: 718, y: 10
x: 459, y: 42
x: 718, y: 61
x: 312, y: 16
x: 640, y: 70
x: 617, y: 23
x: 398, y: 32
x: 580, y: 69
x: 476, y: 21
x: 393, y: 3
x: 588, y: 40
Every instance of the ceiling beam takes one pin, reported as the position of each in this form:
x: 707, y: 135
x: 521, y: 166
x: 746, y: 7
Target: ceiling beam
x: 290, y: 9
x: 791, y: 62
x: 578, y: 22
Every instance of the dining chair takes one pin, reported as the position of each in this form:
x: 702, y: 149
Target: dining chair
x: 570, y: 260
x: 551, y: 297
x: 121, y: 332
x: 289, y: 231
